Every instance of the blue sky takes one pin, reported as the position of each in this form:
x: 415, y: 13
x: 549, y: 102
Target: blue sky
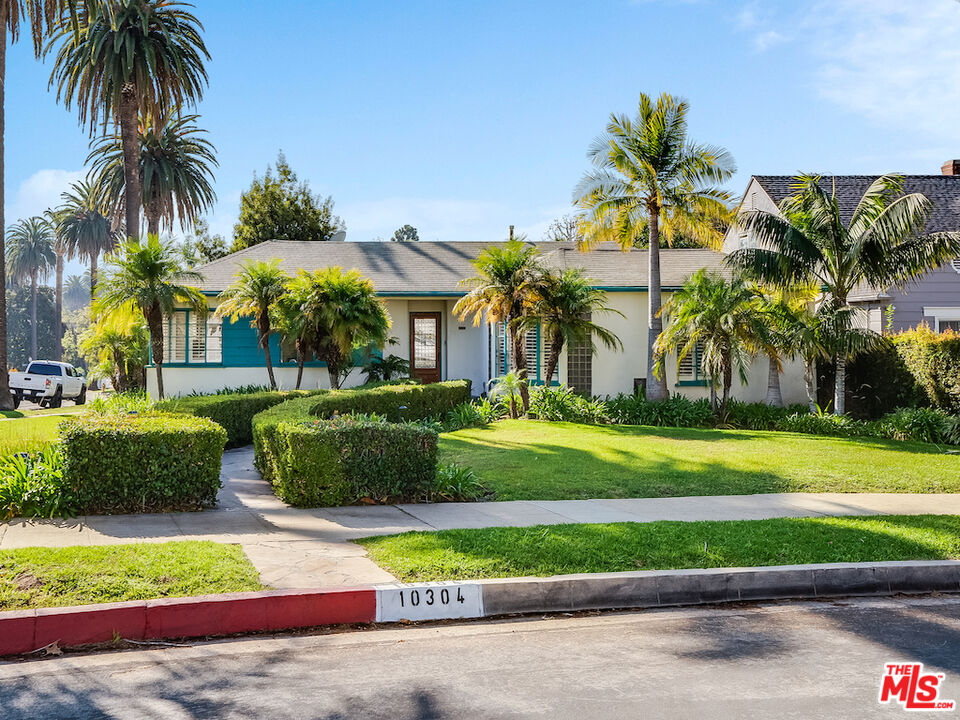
x: 463, y: 118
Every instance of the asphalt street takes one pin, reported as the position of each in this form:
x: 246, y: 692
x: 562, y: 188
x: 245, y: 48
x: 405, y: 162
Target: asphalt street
x: 789, y: 660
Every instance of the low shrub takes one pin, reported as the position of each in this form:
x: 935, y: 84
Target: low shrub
x: 678, y: 411
x: 561, y: 403
x: 120, y: 403
x: 146, y: 463
x: 346, y: 460
x: 824, y: 424
x: 31, y: 485
x: 923, y: 425
x: 757, y: 416
x: 394, y: 401
x: 462, y: 416
x: 456, y: 483
x: 233, y: 411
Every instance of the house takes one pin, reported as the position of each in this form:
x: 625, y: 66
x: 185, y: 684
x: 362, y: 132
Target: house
x: 419, y: 283
x: 934, y: 299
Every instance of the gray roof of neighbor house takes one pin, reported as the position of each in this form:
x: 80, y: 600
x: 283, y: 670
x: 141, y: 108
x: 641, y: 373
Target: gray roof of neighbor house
x: 438, y: 267
x: 942, y: 190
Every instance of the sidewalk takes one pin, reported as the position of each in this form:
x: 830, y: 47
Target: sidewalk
x: 295, y: 548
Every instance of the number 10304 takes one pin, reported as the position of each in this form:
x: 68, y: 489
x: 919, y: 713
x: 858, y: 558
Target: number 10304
x: 431, y: 596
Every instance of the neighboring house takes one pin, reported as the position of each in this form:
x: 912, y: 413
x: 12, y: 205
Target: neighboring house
x: 935, y: 298
x: 420, y: 283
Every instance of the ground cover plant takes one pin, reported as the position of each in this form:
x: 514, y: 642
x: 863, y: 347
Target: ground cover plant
x: 51, y: 577
x: 534, y: 460
x: 617, y: 547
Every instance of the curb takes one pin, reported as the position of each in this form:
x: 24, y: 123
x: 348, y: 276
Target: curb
x: 23, y: 631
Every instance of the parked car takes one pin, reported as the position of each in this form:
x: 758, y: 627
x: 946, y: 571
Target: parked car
x: 49, y: 384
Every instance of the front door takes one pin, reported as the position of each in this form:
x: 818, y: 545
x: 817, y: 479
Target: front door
x: 425, y: 347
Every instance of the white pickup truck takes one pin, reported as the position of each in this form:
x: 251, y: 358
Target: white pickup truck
x: 49, y: 384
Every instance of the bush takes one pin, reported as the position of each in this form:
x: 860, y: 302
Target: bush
x: 456, y: 483
x: 678, y: 411
x: 824, y: 424
x: 348, y: 459
x: 757, y: 416
x: 31, y: 485
x: 933, y: 359
x: 148, y: 463
x: 394, y: 401
x: 563, y: 404
x: 232, y: 411
x: 923, y: 425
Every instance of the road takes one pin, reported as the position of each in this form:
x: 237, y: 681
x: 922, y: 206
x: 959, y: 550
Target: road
x: 801, y: 660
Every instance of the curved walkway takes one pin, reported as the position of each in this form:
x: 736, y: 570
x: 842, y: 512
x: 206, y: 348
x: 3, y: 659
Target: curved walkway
x: 294, y: 548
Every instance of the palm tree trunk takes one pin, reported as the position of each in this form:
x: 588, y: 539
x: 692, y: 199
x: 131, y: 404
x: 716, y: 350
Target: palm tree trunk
x: 33, y: 317
x: 93, y: 276
x: 6, y: 399
x: 556, y: 347
x: 265, y: 344
x: 130, y: 142
x: 774, y: 395
x: 153, y: 219
x: 840, y: 386
x: 810, y: 380
x: 301, y: 359
x: 155, y: 323
x: 520, y: 366
x: 656, y: 387
x: 727, y: 382
x: 58, y: 320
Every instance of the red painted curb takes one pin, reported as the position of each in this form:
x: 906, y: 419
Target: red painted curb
x: 22, y: 631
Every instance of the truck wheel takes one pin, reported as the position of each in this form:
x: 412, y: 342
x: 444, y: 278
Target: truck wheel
x: 82, y: 397
x: 16, y: 400
x: 57, y: 399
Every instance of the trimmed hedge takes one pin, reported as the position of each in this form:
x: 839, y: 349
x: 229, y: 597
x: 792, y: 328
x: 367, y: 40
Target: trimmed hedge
x: 232, y: 411
x: 346, y: 460
x: 394, y: 402
x: 146, y: 463
x: 934, y: 361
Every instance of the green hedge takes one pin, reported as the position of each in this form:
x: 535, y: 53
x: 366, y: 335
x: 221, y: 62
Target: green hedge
x: 145, y: 463
x: 934, y: 361
x: 345, y: 460
x: 232, y: 411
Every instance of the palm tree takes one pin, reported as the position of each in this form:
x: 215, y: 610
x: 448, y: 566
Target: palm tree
x: 39, y: 16
x: 650, y: 179
x: 345, y: 313
x: 150, y: 276
x: 564, y: 306
x: 83, y: 225
x: 511, y: 385
x: 787, y: 316
x: 31, y: 255
x: 808, y: 242
x: 119, y: 342
x: 292, y: 325
x: 63, y: 251
x: 176, y: 170
x: 723, y: 318
x: 254, y: 291
x: 76, y: 291
x: 126, y: 59
x: 504, y: 291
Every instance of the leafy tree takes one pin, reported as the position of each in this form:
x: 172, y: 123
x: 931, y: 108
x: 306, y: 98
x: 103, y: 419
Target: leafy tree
x: 201, y: 247
x: 83, y: 226
x: 150, y: 277
x: 345, y: 314
x: 124, y: 59
x: 176, y: 170
x: 808, y: 242
x: 564, y: 229
x: 30, y: 257
x: 723, y: 318
x: 118, y: 346
x: 20, y: 325
x: 255, y: 289
x: 407, y: 233
x: 650, y: 179
x: 564, y: 305
x: 504, y: 291
x: 280, y: 207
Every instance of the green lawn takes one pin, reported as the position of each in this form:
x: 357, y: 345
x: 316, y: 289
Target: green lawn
x: 529, y: 460
x: 51, y: 577
x: 64, y: 410
x: 617, y: 547
x: 28, y: 433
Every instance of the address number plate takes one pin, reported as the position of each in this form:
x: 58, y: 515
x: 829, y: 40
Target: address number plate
x: 429, y: 601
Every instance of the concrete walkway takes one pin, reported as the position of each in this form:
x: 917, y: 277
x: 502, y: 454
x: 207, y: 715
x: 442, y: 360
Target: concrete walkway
x: 295, y: 548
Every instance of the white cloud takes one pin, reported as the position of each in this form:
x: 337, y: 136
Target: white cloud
x: 39, y: 192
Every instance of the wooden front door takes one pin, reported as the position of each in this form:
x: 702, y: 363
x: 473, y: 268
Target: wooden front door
x: 425, y: 346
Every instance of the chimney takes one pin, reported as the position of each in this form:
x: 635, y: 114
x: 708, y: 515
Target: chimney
x: 951, y: 167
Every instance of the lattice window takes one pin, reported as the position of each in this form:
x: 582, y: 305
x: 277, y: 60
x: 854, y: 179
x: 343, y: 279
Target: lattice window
x: 580, y: 368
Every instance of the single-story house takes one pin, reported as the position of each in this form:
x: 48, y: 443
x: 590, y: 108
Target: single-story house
x: 933, y: 299
x: 419, y: 283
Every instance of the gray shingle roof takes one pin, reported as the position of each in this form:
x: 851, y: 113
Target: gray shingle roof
x: 438, y: 267
x: 942, y: 190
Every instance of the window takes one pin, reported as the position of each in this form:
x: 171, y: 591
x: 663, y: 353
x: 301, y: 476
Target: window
x: 175, y: 338
x: 944, y: 325
x: 580, y: 367
x: 943, y: 319
x: 191, y: 339
x: 531, y: 348
x: 39, y: 368
x: 690, y: 368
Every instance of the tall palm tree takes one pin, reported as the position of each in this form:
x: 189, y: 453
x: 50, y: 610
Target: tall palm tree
x: 128, y: 58
x: 563, y: 309
x: 31, y: 255
x: 809, y: 242
x: 254, y: 291
x: 650, y: 179
x: 504, y: 291
x: 38, y: 16
x: 723, y: 318
x: 76, y: 291
x: 83, y: 225
x: 345, y: 313
x: 176, y: 170
x: 149, y: 275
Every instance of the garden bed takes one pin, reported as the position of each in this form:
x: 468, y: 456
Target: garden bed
x: 619, y: 547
